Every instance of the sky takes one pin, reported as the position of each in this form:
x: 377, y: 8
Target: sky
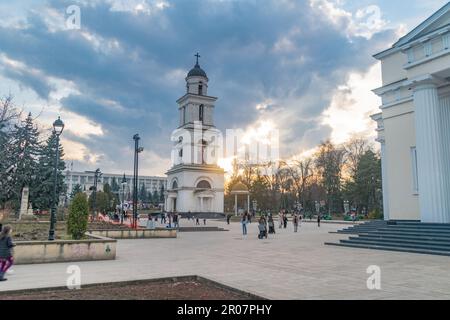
x: 303, y: 67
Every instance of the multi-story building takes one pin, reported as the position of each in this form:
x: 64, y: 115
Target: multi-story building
x: 414, y: 123
x: 86, y: 181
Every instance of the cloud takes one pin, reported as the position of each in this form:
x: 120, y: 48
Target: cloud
x: 122, y: 72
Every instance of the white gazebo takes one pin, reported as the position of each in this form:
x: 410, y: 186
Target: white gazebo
x: 240, y: 189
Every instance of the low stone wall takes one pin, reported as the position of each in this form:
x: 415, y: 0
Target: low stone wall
x: 136, y: 234
x: 95, y: 248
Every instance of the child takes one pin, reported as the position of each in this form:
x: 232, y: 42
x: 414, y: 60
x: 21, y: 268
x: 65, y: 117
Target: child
x: 6, y: 251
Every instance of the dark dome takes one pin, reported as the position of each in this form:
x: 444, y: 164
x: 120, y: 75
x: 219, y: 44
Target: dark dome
x: 197, y: 72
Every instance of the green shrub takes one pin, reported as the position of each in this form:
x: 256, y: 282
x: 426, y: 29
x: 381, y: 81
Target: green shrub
x: 376, y: 215
x: 78, y: 216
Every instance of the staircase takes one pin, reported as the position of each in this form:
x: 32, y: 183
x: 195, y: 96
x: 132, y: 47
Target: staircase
x: 404, y: 236
x: 363, y: 228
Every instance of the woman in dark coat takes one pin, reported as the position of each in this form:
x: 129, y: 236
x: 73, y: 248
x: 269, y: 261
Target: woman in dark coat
x: 6, y: 251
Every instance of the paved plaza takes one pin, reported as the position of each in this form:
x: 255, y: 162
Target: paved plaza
x: 285, y: 266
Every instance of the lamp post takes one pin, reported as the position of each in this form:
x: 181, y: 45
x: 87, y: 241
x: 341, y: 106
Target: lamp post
x: 137, y: 150
x: 58, y: 127
x: 124, y: 186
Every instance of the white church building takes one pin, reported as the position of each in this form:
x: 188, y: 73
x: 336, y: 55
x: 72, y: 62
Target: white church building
x: 195, y: 183
x: 414, y: 123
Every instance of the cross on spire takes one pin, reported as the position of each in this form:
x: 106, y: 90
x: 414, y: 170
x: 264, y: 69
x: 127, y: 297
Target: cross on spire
x: 198, y: 56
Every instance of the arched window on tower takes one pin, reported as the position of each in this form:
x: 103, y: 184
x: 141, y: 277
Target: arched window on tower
x: 200, y: 112
x: 203, y: 184
x: 200, y: 89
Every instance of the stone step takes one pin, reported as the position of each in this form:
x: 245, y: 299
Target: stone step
x: 400, y: 230
x: 406, y: 237
x: 444, y: 243
x: 397, y: 244
x: 422, y: 227
x: 387, y: 248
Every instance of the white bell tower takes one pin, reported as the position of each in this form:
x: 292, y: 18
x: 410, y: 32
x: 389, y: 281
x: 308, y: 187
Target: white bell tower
x: 195, y: 181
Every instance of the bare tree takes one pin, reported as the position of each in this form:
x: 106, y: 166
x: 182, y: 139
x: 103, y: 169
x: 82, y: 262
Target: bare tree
x: 354, y: 149
x: 301, y: 173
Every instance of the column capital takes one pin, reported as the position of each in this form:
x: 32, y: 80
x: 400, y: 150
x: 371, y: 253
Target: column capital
x: 427, y: 81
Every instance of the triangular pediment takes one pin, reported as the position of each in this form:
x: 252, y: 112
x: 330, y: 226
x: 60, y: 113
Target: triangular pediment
x: 439, y: 19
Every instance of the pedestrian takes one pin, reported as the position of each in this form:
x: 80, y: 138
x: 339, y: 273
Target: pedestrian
x: 271, y: 225
x: 262, y: 228
x: 318, y: 220
x: 169, y: 217
x: 285, y: 220
x: 280, y: 219
x: 197, y: 221
x: 295, y: 222
x: 204, y: 221
x: 6, y: 251
x: 175, y: 220
x: 244, y: 221
x: 228, y: 218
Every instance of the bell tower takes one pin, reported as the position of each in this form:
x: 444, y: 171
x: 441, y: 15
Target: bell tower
x: 195, y: 181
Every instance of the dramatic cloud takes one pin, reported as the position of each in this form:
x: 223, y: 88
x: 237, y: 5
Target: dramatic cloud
x: 303, y: 65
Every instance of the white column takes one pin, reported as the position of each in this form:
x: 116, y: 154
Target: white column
x: 248, y: 203
x: 384, y: 180
x: 445, y: 131
x: 235, y: 205
x: 430, y: 155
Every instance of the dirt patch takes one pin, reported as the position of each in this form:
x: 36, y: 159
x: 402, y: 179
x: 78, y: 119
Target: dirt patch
x: 142, y: 290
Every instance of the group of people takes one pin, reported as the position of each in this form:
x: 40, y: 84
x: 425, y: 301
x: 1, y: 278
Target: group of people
x: 266, y: 224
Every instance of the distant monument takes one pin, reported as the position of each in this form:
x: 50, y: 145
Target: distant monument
x: 25, y: 209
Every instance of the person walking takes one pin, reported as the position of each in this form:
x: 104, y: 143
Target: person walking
x: 197, y: 221
x: 204, y: 221
x: 280, y: 219
x: 228, y: 218
x: 244, y: 221
x: 295, y: 222
x: 6, y: 251
x: 318, y: 219
x: 271, y: 225
x: 285, y: 219
x: 175, y: 220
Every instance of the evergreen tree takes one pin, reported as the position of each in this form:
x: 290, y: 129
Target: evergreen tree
x: 112, y: 197
x: 42, y: 188
x: 149, y: 197
x: 161, y: 194
x: 78, y: 216
x: 143, y: 193
x: 24, y: 153
x: 76, y: 189
x: 155, y: 197
x: 115, y: 188
x: 102, y: 203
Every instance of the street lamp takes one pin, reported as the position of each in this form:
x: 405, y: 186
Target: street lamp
x: 58, y: 127
x: 137, y: 150
x: 124, y: 186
